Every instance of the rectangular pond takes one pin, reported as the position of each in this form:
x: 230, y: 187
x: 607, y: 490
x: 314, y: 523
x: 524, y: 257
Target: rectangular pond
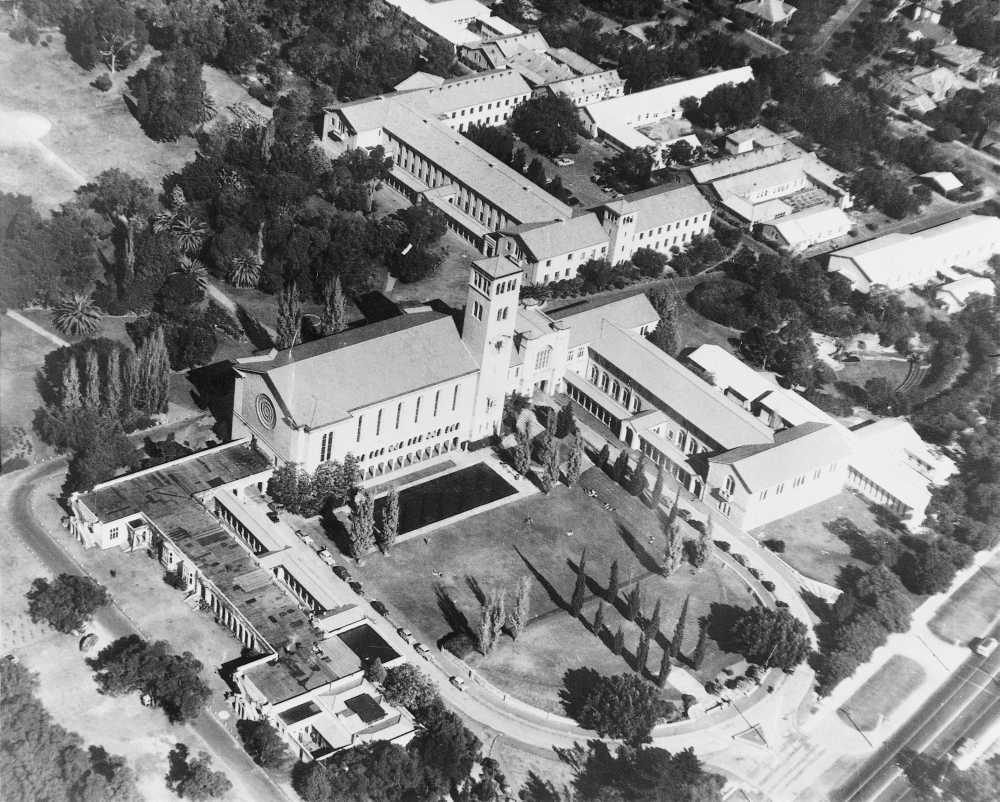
x: 448, y: 495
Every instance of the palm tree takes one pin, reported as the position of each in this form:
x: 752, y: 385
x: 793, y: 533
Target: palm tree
x: 189, y: 266
x: 76, y: 315
x: 244, y: 271
x: 189, y: 232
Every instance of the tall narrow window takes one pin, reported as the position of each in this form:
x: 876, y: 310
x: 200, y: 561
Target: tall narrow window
x: 399, y: 412
x: 416, y: 411
x: 361, y: 419
x: 437, y: 397
x: 454, y: 399
x: 378, y: 424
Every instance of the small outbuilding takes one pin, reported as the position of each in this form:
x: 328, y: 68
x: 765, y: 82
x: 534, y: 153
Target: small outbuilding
x: 941, y: 181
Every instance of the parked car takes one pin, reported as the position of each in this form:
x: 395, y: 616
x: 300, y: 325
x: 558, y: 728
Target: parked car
x: 358, y: 588
x: 458, y: 682
x: 986, y: 646
x: 405, y: 634
x: 573, y: 200
x: 326, y: 556
x: 342, y: 573
x: 422, y: 650
x: 563, y: 161
x: 309, y: 542
x: 273, y: 516
x: 380, y: 608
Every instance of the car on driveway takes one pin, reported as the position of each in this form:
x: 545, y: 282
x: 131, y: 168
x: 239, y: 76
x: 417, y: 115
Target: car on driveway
x: 562, y: 161
x: 458, y: 682
x: 326, y: 556
x: 986, y: 646
x: 342, y: 573
x: 405, y: 634
x: 422, y: 650
x: 380, y: 608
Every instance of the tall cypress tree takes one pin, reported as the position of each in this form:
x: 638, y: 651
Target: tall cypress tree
x: 334, y: 317
x: 113, y: 382
x: 362, y: 524
x: 618, y: 643
x: 71, y: 398
x: 620, y: 472
x: 665, y: 666
x: 604, y: 457
x: 699, y: 651
x: 678, y: 640
x: 92, y: 379
x: 599, y: 619
x: 130, y: 377
x: 289, y: 319
x: 159, y: 372
x: 614, y: 584
x: 642, y: 653
x: 580, y: 590
x: 657, y: 494
x: 574, y: 462
x: 638, y: 481
x: 653, y: 622
x: 633, y: 603
x: 390, y: 520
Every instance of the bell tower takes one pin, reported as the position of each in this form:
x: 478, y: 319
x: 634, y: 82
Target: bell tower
x: 488, y: 333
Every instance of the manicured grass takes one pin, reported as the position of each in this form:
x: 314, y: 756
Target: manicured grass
x: 892, y: 369
x: 886, y: 689
x: 495, y: 549
x: 22, y: 352
x: 972, y: 609
x: 810, y: 545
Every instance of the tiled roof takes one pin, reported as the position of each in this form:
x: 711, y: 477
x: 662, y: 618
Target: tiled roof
x: 795, y: 452
x: 677, y: 388
x: 658, y: 206
x: 769, y: 10
x: 546, y: 240
x: 323, y: 381
x: 585, y: 320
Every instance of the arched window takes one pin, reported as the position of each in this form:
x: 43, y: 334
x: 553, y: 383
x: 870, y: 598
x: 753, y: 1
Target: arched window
x: 616, y: 390
x: 730, y: 485
x: 595, y: 374
x: 604, y: 382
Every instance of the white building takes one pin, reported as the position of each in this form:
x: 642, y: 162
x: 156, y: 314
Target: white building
x: 897, y: 260
x: 457, y: 22
x: 621, y: 119
x: 807, y: 228
x: 955, y: 294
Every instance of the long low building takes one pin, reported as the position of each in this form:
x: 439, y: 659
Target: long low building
x: 813, y: 226
x: 620, y: 119
x: 899, y: 260
x: 305, y: 648
x: 457, y: 22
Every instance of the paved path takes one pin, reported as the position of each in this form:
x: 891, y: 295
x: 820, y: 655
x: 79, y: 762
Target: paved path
x: 59, y: 342
x: 15, y: 500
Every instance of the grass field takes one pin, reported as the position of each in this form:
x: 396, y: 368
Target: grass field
x: 972, y: 609
x: 883, y: 692
x: 21, y: 354
x: 812, y: 547
x: 495, y: 549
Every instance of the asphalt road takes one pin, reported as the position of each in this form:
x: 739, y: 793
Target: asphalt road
x: 970, y: 695
x: 51, y: 553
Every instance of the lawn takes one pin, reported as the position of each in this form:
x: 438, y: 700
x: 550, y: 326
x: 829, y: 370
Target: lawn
x: 812, y: 543
x: 971, y: 610
x: 894, y: 369
x: 432, y: 584
x: 91, y: 131
x: 884, y: 691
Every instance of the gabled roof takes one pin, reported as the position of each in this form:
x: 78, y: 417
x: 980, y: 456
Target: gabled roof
x: 586, y: 319
x: 546, y: 240
x: 768, y: 10
x: 815, y: 224
x: 659, y: 206
x: 677, y: 388
x: 419, y: 80
x: 943, y: 180
x: 794, y: 452
x: 323, y: 381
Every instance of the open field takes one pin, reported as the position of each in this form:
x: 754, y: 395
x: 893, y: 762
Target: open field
x: 813, y: 545
x: 91, y: 131
x: 971, y: 610
x: 891, y: 368
x: 885, y: 690
x: 542, y: 538
x: 21, y: 354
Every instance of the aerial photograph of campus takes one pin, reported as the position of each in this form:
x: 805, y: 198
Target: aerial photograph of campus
x: 517, y: 401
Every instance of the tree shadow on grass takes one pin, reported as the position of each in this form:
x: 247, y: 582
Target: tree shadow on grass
x: 554, y: 594
x: 476, y: 588
x: 453, y: 616
x: 578, y: 685
x: 722, y: 617
x: 846, y: 530
x: 645, y: 559
x: 254, y: 329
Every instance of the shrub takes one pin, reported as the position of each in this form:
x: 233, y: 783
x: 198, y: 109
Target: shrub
x: 459, y: 644
x: 102, y: 82
x: 768, y: 585
x: 740, y: 559
x: 25, y: 31
x: 723, y: 545
x: 752, y: 571
x: 775, y: 544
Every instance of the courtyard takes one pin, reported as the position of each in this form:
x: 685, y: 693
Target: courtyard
x: 822, y: 539
x: 433, y: 585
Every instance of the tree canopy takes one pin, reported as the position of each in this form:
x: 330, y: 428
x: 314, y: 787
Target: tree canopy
x: 549, y: 124
x: 67, y: 603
